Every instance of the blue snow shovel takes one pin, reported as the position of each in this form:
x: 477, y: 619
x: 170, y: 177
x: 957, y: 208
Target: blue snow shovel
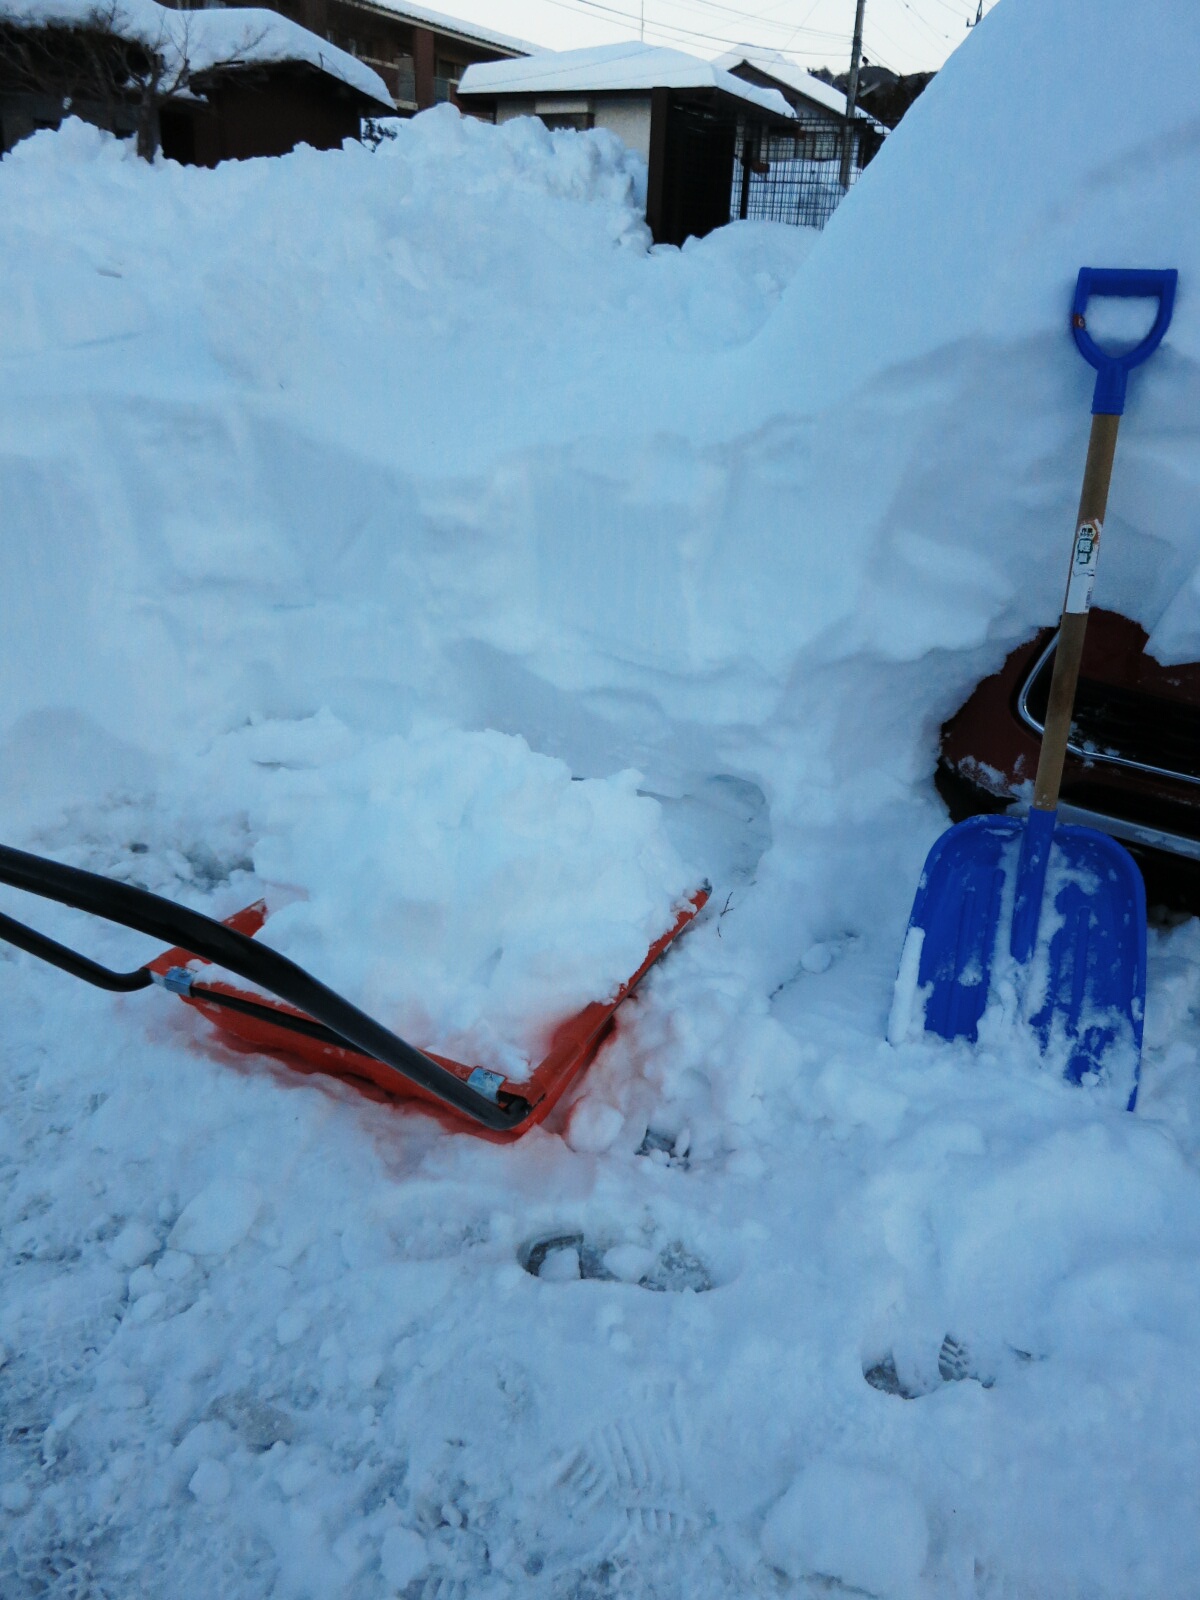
x: 1070, y: 899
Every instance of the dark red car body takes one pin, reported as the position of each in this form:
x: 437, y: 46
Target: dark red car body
x: 1133, y: 763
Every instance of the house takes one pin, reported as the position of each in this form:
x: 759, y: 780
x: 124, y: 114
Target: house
x: 259, y: 85
x: 205, y: 85
x: 806, y: 177
x: 885, y: 94
x: 693, y: 122
x: 420, y: 54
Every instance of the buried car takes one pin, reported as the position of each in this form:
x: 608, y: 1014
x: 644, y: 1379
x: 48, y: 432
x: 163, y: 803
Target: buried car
x: 1133, y: 759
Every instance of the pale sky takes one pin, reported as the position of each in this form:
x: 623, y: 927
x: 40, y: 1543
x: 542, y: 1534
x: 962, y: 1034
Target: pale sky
x: 906, y: 35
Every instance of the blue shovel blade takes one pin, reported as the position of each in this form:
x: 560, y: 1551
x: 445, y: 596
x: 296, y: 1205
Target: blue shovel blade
x: 1083, y: 975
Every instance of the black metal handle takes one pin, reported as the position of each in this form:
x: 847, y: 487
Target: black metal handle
x: 177, y: 925
x: 37, y: 944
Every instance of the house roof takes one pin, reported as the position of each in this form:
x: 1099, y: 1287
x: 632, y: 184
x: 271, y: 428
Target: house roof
x: 207, y: 39
x: 442, y: 23
x: 773, y: 65
x: 612, y: 68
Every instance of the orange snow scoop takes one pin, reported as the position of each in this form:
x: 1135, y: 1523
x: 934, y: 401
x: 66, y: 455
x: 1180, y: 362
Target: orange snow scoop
x: 290, y: 1014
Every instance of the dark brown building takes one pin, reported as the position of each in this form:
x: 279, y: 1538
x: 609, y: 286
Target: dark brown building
x: 264, y: 111
x: 206, y: 86
x: 419, y: 54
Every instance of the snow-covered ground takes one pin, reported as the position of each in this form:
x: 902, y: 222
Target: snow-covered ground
x: 356, y: 503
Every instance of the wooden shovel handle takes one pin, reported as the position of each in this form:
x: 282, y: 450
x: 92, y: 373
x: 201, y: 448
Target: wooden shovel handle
x: 1093, y: 503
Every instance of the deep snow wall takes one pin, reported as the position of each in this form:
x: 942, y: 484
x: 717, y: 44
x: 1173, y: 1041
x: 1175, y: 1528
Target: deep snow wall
x: 933, y: 327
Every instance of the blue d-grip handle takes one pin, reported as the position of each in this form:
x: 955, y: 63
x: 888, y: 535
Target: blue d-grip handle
x: 1130, y: 283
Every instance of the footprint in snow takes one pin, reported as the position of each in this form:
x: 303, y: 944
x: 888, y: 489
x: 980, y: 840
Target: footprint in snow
x: 956, y: 1363
x: 626, y: 1484
x: 568, y: 1257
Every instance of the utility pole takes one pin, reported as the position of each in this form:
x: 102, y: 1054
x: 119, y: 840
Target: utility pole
x: 642, y: 23
x: 852, y: 92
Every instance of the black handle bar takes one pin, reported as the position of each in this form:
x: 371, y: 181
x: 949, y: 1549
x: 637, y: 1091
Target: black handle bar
x: 203, y: 936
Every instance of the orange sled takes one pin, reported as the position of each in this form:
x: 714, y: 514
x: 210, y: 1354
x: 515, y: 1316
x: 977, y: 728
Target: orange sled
x: 298, y: 1018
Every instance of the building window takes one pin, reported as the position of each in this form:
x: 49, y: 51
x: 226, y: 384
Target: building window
x: 580, y: 121
x: 406, y: 79
x: 446, y: 78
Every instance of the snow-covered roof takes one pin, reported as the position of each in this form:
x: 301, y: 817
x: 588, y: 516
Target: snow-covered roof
x: 787, y: 72
x: 611, y: 68
x: 455, y: 25
x: 206, y: 39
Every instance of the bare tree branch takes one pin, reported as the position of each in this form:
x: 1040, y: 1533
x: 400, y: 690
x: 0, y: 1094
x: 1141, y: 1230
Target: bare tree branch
x: 102, y: 63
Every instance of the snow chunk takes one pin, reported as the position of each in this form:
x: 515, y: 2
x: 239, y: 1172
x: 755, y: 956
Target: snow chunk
x: 291, y: 1325
x: 630, y: 1262
x: 15, y: 1497
x: 594, y: 1125
x: 864, y: 1528
x: 217, y: 1219
x: 561, y: 1266
x: 147, y: 1307
x: 211, y: 1482
x: 402, y: 1556
x: 135, y: 1243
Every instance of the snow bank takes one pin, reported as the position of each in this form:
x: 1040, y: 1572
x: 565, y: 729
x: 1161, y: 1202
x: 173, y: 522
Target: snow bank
x: 947, y: 378
x: 536, y: 928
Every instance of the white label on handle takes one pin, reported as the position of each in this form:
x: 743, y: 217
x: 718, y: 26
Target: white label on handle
x: 1083, y: 567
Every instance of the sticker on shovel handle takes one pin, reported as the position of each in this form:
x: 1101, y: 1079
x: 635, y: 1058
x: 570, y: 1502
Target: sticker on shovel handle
x: 1083, y: 567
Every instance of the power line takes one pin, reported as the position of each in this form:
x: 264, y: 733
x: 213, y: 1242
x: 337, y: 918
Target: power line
x: 762, y: 22
x: 626, y: 16
x: 928, y: 26
x: 802, y: 21
x: 874, y: 59
x: 877, y: 31
x: 742, y: 16
x: 694, y: 33
x: 819, y: 45
x: 931, y: 30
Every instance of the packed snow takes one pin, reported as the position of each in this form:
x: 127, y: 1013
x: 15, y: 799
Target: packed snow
x: 398, y: 535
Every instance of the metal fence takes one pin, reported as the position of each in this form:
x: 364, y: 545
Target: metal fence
x: 791, y: 177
